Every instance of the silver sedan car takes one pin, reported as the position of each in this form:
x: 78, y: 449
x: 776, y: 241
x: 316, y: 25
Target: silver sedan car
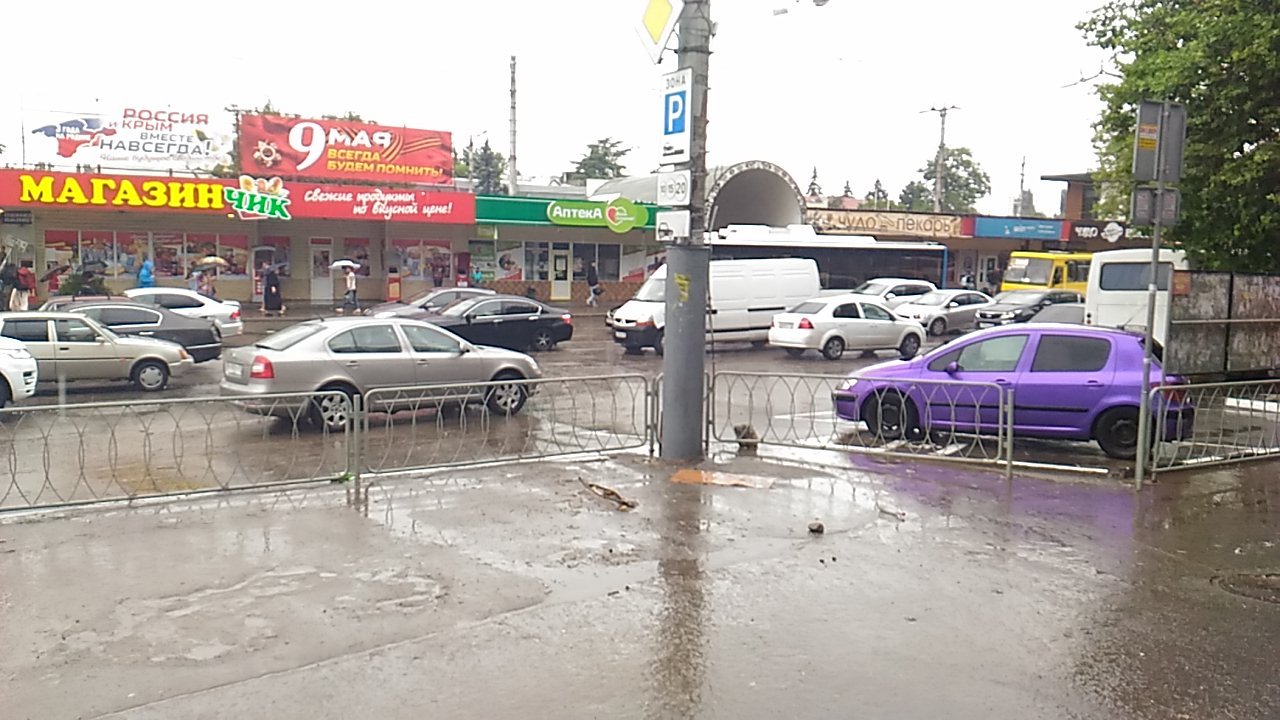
x: 354, y: 355
x: 942, y: 311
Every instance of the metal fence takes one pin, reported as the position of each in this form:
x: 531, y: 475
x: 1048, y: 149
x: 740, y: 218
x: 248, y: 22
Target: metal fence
x: 1215, y: 423
x: 94, y: 452
x: 432, y: 426
x: 954, y: 421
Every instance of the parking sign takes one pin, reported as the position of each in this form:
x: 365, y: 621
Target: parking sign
x: 676, y: 118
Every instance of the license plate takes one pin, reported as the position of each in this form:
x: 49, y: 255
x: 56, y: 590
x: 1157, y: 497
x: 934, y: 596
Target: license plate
x: 620, y: 335
x: 235, y: 371
x: 986, y: 324
x: 784, y: 325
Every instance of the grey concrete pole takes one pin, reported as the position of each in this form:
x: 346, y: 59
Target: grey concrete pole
x: 1145, y: 428
x: 688, y: 267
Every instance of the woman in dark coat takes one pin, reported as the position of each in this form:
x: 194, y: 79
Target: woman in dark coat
x: 271, y: 300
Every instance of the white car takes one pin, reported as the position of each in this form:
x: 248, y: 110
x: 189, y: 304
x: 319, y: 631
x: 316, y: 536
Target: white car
x: 942, y: 311
x: 895, y: 291
x: 224, y: 313
x: 19, y: 370
x: 837, y: 323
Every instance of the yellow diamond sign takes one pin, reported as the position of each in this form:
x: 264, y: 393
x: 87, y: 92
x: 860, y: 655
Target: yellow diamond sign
x: 657, y: 22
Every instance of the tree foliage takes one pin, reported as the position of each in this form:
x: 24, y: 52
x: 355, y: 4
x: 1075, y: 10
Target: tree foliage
x: 486, y: 168
x: 878, y: 198
x: 602, y: 161
x: 1222, y: 59
x: 916, y: 196
x: 964, y: 181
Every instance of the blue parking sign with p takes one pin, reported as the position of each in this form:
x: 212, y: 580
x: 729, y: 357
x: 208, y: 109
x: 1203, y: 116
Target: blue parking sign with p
x: 675, y: 113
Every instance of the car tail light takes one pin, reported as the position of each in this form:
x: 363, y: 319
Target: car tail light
x: 262, y: 369
x: 567, y: 318
x: 805, y: 324
x: 1176, y: 396
x: 235, y: 314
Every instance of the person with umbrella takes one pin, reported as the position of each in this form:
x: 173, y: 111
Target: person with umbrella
x: 272, y: 302
x: 349, y: 302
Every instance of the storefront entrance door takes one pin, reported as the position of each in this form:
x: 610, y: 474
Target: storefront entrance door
x: 321, y: 280
x: 561, y: 285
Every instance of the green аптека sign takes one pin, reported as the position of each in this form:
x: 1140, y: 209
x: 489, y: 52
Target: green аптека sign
x: 620, y: 215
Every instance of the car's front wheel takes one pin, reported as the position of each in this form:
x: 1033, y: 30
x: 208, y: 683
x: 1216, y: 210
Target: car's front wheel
x: 833, y: 349
x: 508, y: 396
x: 150, y: 375
x: 909, y: 347
x: 1116, y: 431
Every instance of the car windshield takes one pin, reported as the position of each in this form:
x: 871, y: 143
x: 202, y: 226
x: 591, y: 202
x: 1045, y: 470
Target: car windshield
x: 288, y: 337
x: 653, y: 290
x: 933, y: 298
x: 871, y: 288
x: 1020, y: 297
x: 808, y: 308
x: 1030, y: 271
x: 460, y: 308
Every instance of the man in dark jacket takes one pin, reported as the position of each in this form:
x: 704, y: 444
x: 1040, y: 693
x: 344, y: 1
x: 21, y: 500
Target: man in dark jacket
x: 593, y: 283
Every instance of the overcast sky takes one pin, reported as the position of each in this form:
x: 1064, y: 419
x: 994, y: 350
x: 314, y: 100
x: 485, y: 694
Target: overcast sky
x: 840, y: 87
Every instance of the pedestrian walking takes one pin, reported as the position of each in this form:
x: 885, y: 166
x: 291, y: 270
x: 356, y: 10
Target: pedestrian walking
x: 349, y: 302
x: 147, y: 274
x: 477, y: 277
x: 272, y: 302
x: 593, y: 286
x: 25, y: 285
x: 437, y: 275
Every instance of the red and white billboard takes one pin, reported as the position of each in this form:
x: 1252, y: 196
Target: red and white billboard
x: 271, y: 145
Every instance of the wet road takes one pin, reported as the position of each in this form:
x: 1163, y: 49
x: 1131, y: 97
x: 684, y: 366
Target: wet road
x: 513, y: 592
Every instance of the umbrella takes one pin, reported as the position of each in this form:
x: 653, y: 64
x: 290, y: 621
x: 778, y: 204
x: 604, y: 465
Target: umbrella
x: 343, y: 264
x: 55, y: 271
x: 212, y: 261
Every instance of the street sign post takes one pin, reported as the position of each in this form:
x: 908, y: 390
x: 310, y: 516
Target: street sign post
x: 675, y: 188
x: 677, y: 125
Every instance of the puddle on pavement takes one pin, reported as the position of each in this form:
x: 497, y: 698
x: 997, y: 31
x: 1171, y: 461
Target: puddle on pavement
x: 690, y: 476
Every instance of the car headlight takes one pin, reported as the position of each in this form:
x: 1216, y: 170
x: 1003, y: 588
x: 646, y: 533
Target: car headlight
x: 1007, y: 315
x: 183, y: 355
x: 849, y: 384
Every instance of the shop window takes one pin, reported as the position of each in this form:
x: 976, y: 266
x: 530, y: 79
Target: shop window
x: 510, y: 260
x: 608, y: 258
x: 235, y: 250
x: 583, y: 255
x: 170, y: 254
x: 357, y: 249
x: 483, y: 258
x: 98, y: 251
x: 535, y: 261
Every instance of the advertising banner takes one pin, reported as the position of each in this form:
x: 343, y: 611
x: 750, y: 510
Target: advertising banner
x: 898, y: 224
x: 1019, y: 228
x: 247, y: 197
x: 141, y: 137
x: 342, y: 150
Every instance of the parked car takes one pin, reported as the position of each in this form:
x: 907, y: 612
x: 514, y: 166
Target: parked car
x: 200, y: 337
x: 226, y: 313
x: 744, y: 297
x: 943, y: 310
x: 508, y: 321
x: 354, y: 355
x: 1017, y: 306
x: 18, y: 370
x: 608, y: 316
x: 1072, y: 382
x: 429, y: 302
x: 1071, y: 313
x: 837, y: 323
x: 75, y: 347
x: 895, y: 291
x: 55, y: 303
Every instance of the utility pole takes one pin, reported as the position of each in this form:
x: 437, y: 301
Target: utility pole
x: 688, y: 265
x: 513, y: 183
x: 1022, y: 189
x: 938, y: 160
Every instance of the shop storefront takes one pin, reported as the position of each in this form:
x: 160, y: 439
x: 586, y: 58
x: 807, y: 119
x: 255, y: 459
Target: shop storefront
x: 542, y: 246
x: 111, y: 224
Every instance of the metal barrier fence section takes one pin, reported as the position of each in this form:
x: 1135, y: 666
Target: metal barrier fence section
x: 432, y: 426
x: 1215, y: 423
x: 95, y: 452
x: 957, y: 421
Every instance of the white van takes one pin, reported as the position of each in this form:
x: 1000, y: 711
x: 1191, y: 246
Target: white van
x: 745, y: 295
x: 1117, y: 294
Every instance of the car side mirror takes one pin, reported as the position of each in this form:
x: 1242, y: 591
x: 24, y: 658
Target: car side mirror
x: 469, y: 317
x: 952, y: 368
x: 100, y: 339
x: 953, y: 305
x: 890, y: 296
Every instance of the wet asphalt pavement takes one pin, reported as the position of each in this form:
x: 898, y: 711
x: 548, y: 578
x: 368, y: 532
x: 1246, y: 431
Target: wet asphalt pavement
x: 516, y: 592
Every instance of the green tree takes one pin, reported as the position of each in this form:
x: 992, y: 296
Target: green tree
x: 487, y: 169
x: 602, y: 161
x: 878, y: 198
x: 963, y: 181
x: 916, y: 196
x: 1222, y: 59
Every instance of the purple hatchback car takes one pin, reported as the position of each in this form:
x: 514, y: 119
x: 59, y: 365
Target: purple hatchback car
x: 1071, y: 382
